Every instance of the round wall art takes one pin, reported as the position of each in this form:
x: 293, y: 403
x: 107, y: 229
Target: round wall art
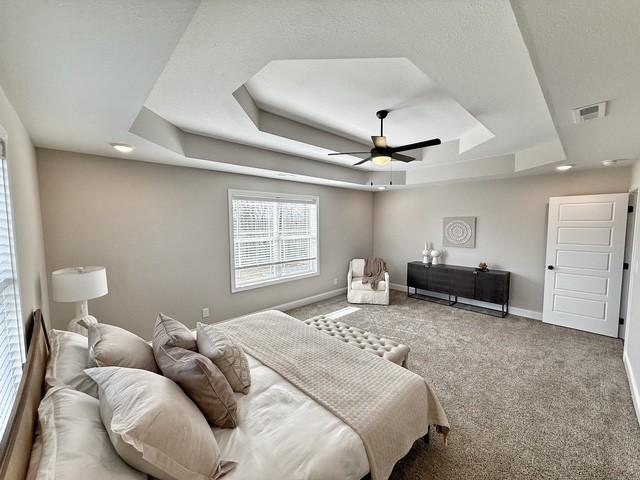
x: 459, y: 232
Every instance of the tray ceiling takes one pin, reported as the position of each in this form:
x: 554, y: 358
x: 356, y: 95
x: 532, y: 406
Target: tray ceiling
x: 266, y: 88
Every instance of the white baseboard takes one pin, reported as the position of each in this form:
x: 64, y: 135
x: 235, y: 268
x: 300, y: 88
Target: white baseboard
x: 635, y: 393
x: 308, y: 300
x: 521, y: 312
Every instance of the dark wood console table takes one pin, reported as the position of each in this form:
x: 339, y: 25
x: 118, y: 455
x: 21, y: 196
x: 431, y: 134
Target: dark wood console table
x: 491, y: 286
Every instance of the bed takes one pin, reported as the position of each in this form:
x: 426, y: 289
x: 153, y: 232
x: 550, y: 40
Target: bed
x: 283, y: 432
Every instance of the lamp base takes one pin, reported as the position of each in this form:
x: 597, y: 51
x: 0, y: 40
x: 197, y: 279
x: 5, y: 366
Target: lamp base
x: 82, y: 320
x: 80, y: 324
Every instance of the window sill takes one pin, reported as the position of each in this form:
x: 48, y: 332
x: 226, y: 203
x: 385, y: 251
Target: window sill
x: 274, y: 282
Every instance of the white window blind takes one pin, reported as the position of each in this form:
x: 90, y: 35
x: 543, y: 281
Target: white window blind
x: 274, y: 238
x: 11, y: 339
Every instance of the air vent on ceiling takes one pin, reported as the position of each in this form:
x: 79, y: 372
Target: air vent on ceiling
x: 583, y: 114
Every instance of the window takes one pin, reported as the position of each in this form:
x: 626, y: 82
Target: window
x: 274, y: 238
x: 11, y: 344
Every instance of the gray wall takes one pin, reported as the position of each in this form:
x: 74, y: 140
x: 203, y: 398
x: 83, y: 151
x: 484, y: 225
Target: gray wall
x: 162, y: 232
x: 632, y: 333
x: 511, y: 228
x: 23, y: 176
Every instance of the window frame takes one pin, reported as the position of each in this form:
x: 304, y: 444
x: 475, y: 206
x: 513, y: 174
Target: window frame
x: 5, y: 178
x: 260, y: 195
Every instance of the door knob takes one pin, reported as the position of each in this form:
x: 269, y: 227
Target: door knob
x: 550, y: 267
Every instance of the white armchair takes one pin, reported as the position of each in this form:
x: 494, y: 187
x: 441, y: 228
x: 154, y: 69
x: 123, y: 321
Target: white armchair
x: 357, y: 292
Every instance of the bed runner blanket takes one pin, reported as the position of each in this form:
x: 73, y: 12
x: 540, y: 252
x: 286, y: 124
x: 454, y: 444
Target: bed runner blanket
x: 388, y: 406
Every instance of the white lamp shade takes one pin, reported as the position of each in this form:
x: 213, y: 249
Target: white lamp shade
x: 77, y: 284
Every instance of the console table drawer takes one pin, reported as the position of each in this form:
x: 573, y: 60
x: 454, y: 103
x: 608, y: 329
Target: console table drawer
x: 417, y: 276
x: 492, y: 288
x: 441, y: 281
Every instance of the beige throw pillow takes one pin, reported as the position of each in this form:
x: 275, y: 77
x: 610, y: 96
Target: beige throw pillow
x: 226, y: 354
x: 202, y: 381
x: 154, y: 426
x: 111, y: 346
x: 172, y: 333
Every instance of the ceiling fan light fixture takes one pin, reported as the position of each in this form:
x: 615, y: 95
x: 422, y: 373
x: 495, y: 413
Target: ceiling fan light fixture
x: 381, y: 160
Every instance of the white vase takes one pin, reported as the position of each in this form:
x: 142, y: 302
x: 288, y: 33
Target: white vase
x: 425, y: 253
x: 435, y: 254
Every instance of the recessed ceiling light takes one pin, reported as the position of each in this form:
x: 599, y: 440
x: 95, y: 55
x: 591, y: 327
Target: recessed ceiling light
x: 382, y: 187
x: 563, y: 168
x: 614, y: 162
x: 122, y: 148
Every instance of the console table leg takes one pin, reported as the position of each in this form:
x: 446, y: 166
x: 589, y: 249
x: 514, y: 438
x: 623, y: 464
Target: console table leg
x: 426, y: 437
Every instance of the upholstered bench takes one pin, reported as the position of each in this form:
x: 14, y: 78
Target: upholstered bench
x: 388, y: 349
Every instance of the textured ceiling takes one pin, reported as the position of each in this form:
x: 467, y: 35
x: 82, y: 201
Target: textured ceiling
x: 161, y: 74
x: 471, y: 51
x: 587, y: 52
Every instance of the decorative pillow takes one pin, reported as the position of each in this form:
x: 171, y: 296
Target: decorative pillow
x: 67, y: 362
x: 155, y: 427
x: 226, y: 354
x: 172, y: 333
x: 111, y: 346
x: 75, y: 443
x: 202, y: 381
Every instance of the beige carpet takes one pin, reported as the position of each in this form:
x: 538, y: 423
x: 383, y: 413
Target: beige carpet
x: 525, y: 400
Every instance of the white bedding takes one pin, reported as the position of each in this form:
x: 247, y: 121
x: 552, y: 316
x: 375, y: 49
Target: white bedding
x: 284, y: 434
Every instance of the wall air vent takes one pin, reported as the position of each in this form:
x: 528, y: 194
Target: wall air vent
x: 583, y: 114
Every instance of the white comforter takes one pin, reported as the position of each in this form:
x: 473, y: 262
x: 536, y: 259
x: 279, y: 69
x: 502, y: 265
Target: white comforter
x: 285, y: 435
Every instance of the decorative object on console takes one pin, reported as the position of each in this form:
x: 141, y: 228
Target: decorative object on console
x: 482, y: 267
x: 425, y: 252
x: 459, y: 232
x: 79, y: 284
x: 435, y: 255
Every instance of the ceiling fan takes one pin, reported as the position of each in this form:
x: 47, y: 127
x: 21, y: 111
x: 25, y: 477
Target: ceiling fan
x: 381, y: 154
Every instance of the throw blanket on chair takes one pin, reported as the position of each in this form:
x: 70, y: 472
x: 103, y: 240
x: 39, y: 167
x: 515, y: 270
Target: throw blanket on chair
x: 374, y: 272
x: 388, y: 406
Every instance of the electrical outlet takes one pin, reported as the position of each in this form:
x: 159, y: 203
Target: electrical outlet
x: 335, y: 281
x: 205, y: 312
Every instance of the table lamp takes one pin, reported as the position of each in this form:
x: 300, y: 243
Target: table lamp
x: 79, y: 284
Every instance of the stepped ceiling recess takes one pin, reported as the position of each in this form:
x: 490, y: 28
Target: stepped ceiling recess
x: 271, y: 88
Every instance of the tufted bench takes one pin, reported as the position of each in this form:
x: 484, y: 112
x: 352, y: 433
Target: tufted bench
x: 383, y: 347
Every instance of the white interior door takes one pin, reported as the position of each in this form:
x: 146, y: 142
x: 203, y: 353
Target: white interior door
x: 585, y: 256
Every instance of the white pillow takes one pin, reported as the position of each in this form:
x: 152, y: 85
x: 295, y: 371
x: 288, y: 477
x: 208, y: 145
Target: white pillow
x: 155, y: 427
x: 68, y: 360
x: 75, y: 443
x: 36, y: 454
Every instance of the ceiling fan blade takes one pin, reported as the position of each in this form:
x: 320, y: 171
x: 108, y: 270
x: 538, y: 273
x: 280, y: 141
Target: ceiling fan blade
x: 402, y: 158
x: 362, y: 161
x: 346, y: 153
x: 379, y: 141
x: 414, y: 146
